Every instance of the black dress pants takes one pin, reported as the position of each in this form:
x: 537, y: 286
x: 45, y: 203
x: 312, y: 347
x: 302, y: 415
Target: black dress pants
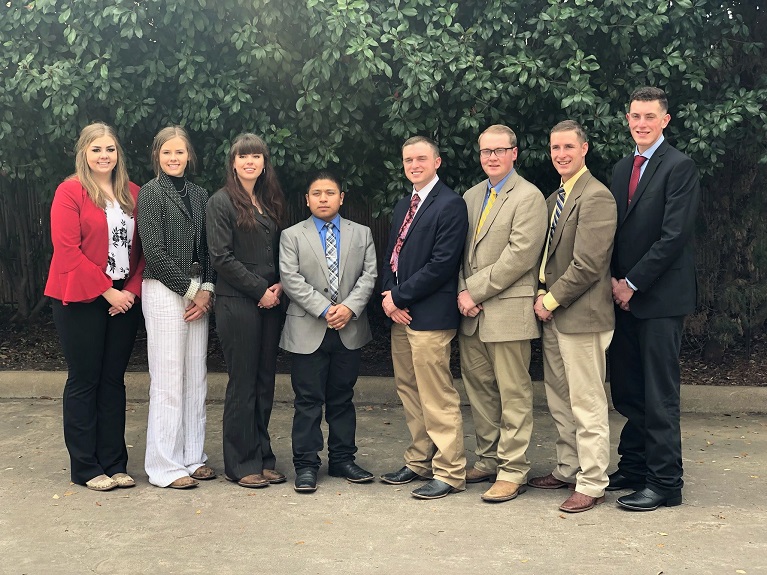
x: 97, y: 348
x: 249, y: 339
x: 326, y: 376
x: 644, y: 382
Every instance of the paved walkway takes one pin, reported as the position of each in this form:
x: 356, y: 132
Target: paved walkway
x: 50, y: 527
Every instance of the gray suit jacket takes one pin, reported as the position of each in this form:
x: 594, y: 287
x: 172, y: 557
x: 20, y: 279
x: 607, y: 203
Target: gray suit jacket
x: 578, y: 264
x: 499, y: 264
x: 304, y: 276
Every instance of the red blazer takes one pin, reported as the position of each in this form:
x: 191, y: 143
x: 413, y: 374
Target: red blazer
x: 81, y: 245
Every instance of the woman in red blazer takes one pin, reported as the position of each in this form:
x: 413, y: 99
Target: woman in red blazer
x: 94, y: 280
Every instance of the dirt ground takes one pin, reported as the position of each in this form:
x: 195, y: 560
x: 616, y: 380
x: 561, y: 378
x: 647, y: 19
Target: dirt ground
x: 35, y: 346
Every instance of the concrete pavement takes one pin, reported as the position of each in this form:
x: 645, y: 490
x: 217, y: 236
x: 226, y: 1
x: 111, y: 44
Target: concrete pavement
x: 48, y: 526
x: 695, y: 398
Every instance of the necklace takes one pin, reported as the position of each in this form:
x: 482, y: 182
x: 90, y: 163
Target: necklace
x: 182, y: 192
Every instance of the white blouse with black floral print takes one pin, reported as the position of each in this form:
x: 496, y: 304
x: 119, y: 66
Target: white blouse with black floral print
x: 120, y: 227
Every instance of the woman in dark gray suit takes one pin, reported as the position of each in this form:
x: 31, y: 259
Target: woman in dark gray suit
x: 244, y: 220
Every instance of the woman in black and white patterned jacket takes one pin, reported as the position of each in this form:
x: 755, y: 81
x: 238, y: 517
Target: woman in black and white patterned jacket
x: 177, y: 296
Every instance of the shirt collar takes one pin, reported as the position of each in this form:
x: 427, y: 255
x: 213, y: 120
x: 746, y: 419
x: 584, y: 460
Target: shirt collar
x: 499, y: 186
x: 423, y: 192
x: 336, y: 221
x: 570, y: 184
x: 651, y: 150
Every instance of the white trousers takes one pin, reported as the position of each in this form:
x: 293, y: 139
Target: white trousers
x: 177, y: 355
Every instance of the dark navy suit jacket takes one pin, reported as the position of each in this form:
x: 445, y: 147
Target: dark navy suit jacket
x: 427, y: 278
x: 654, y: 240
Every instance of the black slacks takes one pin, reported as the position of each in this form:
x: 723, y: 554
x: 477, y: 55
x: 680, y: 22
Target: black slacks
x: 326, y: 376
x: 644, y: 381
x: 249, y: 338
x: 97, y: 348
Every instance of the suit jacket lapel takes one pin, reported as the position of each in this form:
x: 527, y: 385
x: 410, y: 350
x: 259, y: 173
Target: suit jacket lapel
x: 652, y: 167
x: 345, y: 240
x: 315, y: 242
x: 503, y: 195
x: 567, y: 209
x: 423, y: 207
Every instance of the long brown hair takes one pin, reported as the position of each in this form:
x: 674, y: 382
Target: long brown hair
x: 268, y: 191
x: 120, y: 181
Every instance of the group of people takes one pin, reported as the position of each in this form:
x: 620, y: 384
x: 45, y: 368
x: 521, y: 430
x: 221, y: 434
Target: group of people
x: 597, y: 268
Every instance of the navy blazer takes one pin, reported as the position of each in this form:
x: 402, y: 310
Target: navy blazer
x: 654, y: 239
x: 427, y: 277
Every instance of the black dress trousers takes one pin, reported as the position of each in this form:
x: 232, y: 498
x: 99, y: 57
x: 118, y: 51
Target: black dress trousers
x: 644, y: 384
x: 327, y: 377
x: 97, y: 348
x: 249, y: 339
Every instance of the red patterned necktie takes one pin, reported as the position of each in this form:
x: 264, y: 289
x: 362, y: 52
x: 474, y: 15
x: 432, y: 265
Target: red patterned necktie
x: 414, y: 201
x: 634, y: 181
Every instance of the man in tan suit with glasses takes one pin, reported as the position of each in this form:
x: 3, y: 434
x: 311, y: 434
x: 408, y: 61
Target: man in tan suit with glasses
x: 574, y: 303
x: 496, y: 288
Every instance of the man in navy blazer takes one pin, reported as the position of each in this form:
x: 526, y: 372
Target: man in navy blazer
x: 419, y: 281
x: 657, y: 192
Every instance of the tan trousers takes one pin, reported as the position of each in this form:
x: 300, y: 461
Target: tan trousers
x: 497, y: 380
x: 574, y: 376
x: 432, y: 404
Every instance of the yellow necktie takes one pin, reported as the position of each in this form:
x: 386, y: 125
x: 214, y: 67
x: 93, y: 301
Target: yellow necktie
x: 488, y: 207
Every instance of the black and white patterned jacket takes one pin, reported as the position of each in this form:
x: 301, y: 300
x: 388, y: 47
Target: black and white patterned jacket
x: 167, y: 233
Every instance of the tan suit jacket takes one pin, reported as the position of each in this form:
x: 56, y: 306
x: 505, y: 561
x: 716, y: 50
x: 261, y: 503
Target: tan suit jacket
x: 500, y: 263
x: 578, y: 264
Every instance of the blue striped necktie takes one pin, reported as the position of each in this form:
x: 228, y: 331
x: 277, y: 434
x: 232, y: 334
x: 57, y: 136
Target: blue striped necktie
x: 557, y: 212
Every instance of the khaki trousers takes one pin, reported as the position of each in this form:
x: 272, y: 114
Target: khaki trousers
x: 574, y: 375
x: 497, y: 380
x: 432, y: 405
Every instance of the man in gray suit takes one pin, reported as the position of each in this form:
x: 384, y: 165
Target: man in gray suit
x: 496, y: 287
x: 575, y: 305
x: 328, y: 270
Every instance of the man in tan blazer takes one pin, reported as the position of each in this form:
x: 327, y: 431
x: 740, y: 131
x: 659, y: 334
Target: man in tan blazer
x: 496, y: 288
x: 574, y: 303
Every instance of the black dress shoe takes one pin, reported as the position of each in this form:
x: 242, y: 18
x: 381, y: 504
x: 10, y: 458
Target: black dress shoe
x: 352, y: 472
x: 435, y: 489
x: 648, y: 500
x: 306, y: 480
x: 404, y: 475
x: 619, y: 481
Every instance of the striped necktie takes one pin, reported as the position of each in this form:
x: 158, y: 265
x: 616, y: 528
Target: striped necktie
x: 488, y: 206
x: 557, y: 213
x: 331, y: 256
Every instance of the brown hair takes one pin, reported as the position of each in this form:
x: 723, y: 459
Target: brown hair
x: 83, y: 173
x: 650, y: 94
x: 162, y: 137
x: 267, y: 190
x: 570, y: 126
x: 422, y: 140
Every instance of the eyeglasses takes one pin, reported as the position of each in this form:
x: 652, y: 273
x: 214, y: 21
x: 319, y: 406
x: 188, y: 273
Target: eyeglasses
x: 499, y: 152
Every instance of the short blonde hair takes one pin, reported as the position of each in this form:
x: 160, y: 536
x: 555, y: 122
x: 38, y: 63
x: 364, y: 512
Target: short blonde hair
x: 501, y: 129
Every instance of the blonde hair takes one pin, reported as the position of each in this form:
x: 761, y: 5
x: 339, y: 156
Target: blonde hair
x: 165, y: 135
x: 501, y: 129
x: 83, y: 172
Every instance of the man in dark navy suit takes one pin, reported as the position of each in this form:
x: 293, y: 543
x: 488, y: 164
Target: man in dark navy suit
x: 419, y: 281
x: 657, y: 192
